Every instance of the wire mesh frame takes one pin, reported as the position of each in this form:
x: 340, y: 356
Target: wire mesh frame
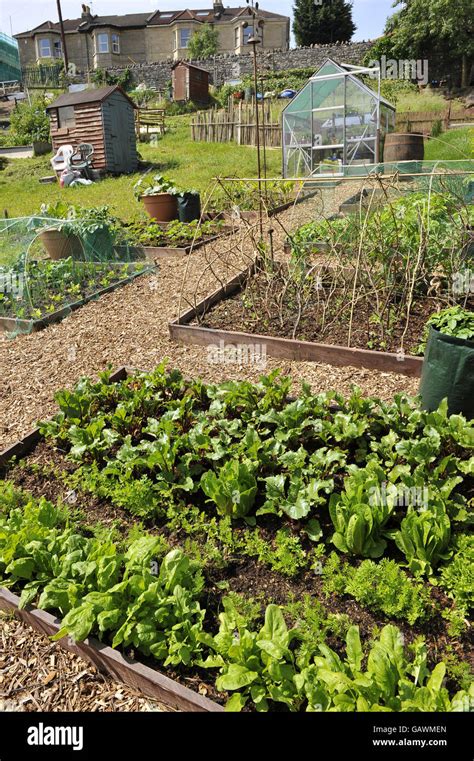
x: 88, y: 262
x: 246, y: 251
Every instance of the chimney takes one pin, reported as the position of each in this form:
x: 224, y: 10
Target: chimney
x: 218, y: 7
x: 86, y: 13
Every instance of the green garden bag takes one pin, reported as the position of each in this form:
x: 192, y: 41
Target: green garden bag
x: 448, y: 371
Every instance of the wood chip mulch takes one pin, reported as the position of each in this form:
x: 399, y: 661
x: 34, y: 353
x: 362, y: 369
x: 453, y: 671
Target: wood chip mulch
x: 37, y: 675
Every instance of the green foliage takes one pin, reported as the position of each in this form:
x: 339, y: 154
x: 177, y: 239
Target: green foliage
x: 232, y: 489
x: 204, y: 43
x: 424, y: 538
x: 389, y: 682
x: 457, y: 577
x: 383, y: 587
x: 102, y: 77
x: 416, y: 32
x: 53, y: 285
x: 150, y: 233
x: 151, y: 185
x: 29, y: 122
x: 284, y: 555
x: 99, y: 588
x: 434, y: 225
x: 453, y: 321
x: 324, y: 23
x: 358, y: 518
x: 257, y: 666
x: 136, y: 593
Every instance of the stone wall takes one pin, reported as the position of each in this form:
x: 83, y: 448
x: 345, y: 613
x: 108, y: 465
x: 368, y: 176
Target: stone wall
x: 225, y: 67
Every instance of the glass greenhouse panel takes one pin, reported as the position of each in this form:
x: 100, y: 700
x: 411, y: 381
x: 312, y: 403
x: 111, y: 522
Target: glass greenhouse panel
x: 297, y: 129
x: 301, y: 101
x: 328, y: 127
x: 328, y: 92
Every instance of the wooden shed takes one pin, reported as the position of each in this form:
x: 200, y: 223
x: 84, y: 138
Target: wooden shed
x: 190, y: 83
x: 104, y: 118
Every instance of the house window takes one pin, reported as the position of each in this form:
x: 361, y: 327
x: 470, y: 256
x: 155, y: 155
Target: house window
x: 115, y: 43
x: 57, y: 49
x: 184, y: 37
x: 66, y: 117
x: 102, y: 43
x: 237, y: 37
x: 44, y: 46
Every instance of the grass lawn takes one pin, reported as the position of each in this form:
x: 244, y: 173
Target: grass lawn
x: 188, y: 164
x: 451, y: 145
x: 428, y: 100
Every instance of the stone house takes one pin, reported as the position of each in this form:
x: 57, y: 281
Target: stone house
x: 101, y: 42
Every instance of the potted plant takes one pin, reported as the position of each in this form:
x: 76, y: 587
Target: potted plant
x: 79, y: 233
x: 159, y: 196
x: 57, y: 237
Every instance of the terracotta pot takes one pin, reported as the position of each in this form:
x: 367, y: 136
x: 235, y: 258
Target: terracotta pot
x: 61, y: 246
x: 163, y: 206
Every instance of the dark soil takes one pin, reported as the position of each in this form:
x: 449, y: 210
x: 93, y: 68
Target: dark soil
x: 254, y: 310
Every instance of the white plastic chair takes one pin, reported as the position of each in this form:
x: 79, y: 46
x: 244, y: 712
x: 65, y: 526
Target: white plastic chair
x: 60, y: 161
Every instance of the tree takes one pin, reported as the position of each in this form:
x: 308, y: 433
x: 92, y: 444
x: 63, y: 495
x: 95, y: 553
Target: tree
x: 204, y: 43
x: 322, y: 22
x: 441, y: 31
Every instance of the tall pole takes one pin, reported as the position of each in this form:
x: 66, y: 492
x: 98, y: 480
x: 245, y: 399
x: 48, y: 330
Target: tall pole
x: 257, y: 124
x: 254, y: 40
x: 63, y: 37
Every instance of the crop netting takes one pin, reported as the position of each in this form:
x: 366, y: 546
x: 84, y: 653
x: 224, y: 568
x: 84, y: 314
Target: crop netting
x: 354, y: 261
x: 50, y: 266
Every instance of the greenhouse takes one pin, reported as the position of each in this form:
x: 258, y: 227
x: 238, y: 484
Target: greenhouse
x: 336, y: 124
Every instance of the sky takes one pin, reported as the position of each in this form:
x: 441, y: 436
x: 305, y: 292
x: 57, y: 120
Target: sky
x: 369, y: 15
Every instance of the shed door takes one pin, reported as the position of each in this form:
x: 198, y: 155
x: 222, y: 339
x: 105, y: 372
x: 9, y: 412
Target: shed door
x: 117, y: 124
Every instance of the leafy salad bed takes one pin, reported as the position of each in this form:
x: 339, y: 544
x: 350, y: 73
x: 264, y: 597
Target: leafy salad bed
x: 39, y: 287
x: 298, y: 554
x: 174, y: 235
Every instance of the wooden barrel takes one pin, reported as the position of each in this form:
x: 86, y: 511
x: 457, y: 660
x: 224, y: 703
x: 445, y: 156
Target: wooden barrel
x: 403, y: 146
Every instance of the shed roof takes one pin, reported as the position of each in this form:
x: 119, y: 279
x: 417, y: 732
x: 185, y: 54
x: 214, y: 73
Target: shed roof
x: 189, y: 66
x: 88, y: 96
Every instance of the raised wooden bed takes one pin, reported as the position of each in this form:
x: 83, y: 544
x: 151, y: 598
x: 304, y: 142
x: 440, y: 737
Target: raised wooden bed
x: 13, y: 324
x: 132, y: 673
x: 168, y: 252
x: 182, y: 331
x: 136, y: 675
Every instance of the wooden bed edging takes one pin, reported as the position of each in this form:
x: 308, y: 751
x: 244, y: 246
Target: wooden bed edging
x: 169, y: 252
x: 11, y: 323
x: 283, y: 348
x: 136, y: 675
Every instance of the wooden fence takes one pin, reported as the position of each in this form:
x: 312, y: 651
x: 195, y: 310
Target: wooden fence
x: 150, y: 118
x: 423, y: 121
x: 237, y: 124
